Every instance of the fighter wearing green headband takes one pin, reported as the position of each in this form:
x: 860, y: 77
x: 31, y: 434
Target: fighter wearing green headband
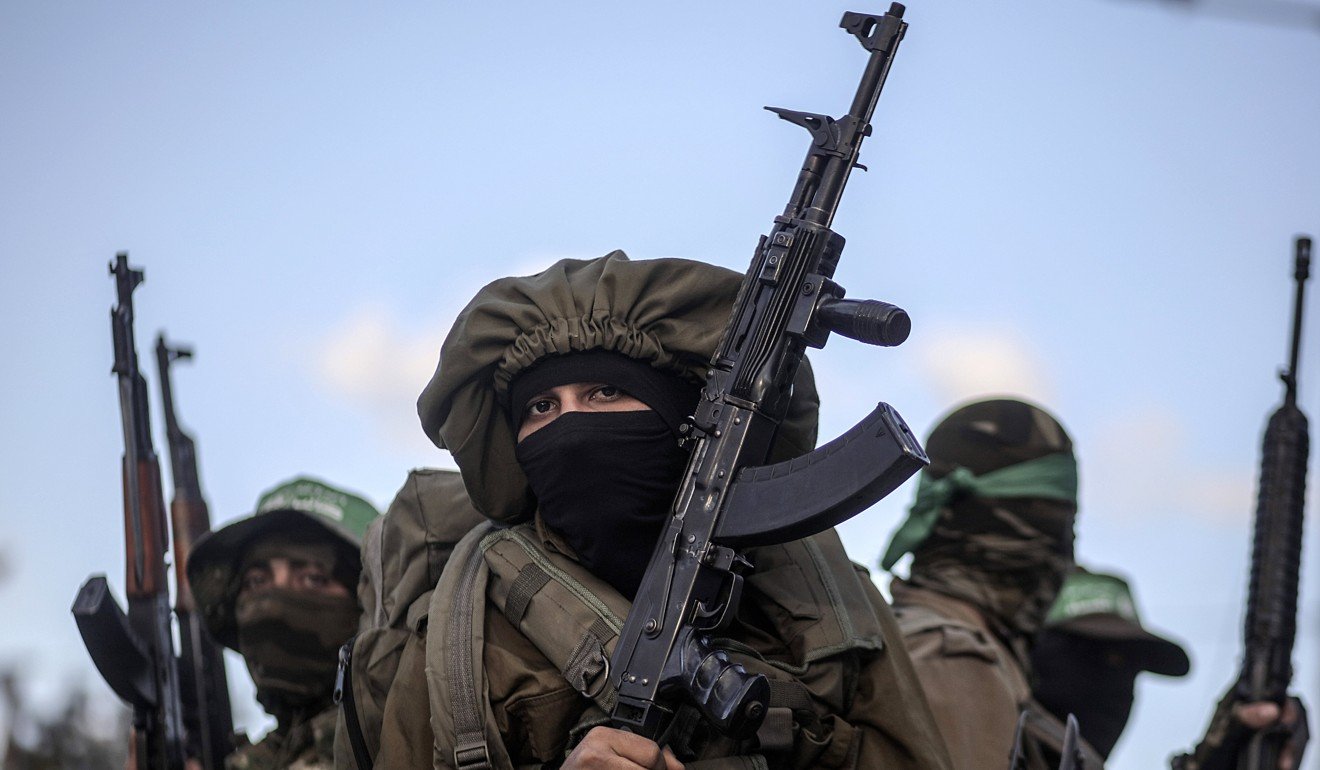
x: 991, y: 537
x: 278, y: 587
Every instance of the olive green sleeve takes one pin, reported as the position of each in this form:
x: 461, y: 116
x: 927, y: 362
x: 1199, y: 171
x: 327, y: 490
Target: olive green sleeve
x: 890, y: 712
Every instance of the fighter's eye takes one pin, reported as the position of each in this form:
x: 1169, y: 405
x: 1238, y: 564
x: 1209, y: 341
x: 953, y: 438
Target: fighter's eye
x: 540, y: 408
x: 316, y: 579
x: 255, y: 578
x: 606, y: 393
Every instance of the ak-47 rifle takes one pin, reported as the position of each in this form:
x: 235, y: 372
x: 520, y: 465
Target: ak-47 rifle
x: 206, y: 711
x: 135, y: 652
x: 787, y: 302
x: 1271, y: 625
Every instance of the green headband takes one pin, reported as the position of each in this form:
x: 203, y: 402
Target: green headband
x: 342, y: 512
x: 1052, y: 477
x: 1087, y: 593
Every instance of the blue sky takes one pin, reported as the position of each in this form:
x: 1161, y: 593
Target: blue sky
x: 1089, y: 203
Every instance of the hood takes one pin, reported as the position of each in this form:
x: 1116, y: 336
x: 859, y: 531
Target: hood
x: 669, y: 313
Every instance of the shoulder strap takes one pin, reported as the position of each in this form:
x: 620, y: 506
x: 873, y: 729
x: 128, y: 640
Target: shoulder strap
x: 571, y: 616
x: 460, y: 707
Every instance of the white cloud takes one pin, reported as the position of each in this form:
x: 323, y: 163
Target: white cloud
x: 1146, y: 466
x: 963, y: 362
x: 378, y: 363
x: 370, y: 360
x: 1143, y: 459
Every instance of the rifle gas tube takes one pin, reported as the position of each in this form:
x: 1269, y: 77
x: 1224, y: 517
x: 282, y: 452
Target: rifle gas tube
x: 727, y: 499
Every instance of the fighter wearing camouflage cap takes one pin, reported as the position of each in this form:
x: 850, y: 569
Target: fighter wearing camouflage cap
x: 278, y: 587
x: 991, y: 535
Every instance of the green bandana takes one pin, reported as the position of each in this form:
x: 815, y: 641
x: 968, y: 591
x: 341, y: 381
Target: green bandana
x: 1052, y: 477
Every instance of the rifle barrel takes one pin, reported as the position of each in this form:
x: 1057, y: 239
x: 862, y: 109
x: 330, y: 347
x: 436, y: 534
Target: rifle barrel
x: 1301, y: 272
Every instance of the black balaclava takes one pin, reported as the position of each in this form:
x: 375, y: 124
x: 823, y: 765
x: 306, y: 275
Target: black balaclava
x: 604, y: 481
x: 1089, y: 678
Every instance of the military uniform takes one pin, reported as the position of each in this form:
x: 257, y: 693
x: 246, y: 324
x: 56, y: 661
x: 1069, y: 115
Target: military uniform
x: 304, y: 745
x: 857, y: 705
x: 991, y: 538
x: 956, y: 654
x: 288, y: 635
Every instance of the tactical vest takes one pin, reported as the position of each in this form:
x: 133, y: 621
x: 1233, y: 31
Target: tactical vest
x: 811, y: 593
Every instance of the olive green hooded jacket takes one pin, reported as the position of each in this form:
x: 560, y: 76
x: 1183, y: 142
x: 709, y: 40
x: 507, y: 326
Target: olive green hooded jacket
x: 866, y: 707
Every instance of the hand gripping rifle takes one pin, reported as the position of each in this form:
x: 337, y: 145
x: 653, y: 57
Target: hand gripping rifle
x: 727, y: 499
x: 1271, y: 625
x: 135, y: 652
x: 206, y: 711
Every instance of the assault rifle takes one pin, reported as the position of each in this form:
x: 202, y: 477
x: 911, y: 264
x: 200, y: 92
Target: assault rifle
x: 727, y: 500
x: 1276, y: 556
x: 135, y: 652
x: 206, y: 711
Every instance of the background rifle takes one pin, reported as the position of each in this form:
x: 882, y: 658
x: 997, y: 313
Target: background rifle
x: 787, y: 302
x: 205, y: 689
x: 135, y: 652
x: 1276, y: 556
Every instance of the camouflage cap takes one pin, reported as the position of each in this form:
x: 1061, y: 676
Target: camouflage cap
x: 303, y: 507
x: 1100, y: 606
x: 988, y: 435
